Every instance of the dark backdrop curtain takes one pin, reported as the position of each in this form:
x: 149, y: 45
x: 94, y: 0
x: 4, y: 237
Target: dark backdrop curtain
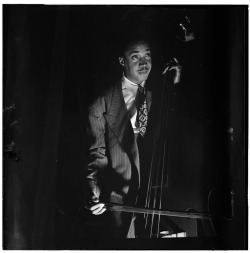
x: 35, y: 43
x: 53, y: 59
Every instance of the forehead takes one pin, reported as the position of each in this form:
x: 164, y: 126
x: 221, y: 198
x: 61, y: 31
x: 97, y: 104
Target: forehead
x: 137, y: 47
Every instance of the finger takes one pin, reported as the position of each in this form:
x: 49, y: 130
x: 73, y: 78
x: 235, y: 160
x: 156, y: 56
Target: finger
x: 177, y: 68
x: 95, y: 200
x: 165, y: 70
x: 94, y: 207
x: 177, y: 77
x: 101, y: 212
x: 175, y: 60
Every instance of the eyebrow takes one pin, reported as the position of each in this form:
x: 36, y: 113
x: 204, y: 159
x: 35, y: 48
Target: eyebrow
x: 135, y: 52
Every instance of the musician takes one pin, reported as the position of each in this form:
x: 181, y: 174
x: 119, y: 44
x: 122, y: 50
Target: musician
x: 116, y: 120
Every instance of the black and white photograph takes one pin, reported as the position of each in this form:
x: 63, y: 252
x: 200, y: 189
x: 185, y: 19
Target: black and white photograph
x: 125, y: 127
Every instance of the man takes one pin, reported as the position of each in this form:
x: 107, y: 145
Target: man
x: 115, y: 121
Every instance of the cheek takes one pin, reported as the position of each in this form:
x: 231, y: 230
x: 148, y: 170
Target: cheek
x: 132, y: 67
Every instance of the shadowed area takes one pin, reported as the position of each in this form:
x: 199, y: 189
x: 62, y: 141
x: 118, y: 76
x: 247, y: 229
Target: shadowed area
x: 56, y: 59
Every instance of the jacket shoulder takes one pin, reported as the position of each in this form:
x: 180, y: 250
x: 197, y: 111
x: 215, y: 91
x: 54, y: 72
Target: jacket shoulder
x: 103, y: 98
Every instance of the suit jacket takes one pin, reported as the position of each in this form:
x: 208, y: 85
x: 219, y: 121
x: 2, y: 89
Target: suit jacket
x: 113, y: 170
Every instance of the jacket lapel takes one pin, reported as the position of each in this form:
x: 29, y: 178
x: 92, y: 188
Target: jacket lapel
x: 117, y: 117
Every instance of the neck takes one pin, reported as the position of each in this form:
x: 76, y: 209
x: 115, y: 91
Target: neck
x: 133, y: 83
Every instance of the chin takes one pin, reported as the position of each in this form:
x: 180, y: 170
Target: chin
x: 143, y: 78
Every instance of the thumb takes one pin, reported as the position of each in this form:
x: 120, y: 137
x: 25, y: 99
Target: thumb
x: 95, y: 200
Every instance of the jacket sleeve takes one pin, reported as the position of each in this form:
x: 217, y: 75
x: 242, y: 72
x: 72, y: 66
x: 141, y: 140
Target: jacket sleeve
x: 96, y: 151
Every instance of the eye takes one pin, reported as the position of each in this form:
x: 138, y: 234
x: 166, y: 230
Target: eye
x: 148, y: 56
x: 135, y: 57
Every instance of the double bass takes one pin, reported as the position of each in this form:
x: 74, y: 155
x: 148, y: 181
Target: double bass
x: 158, y: 222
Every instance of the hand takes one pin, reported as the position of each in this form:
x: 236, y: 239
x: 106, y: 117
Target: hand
x: 95, y: 207
x: 174, y: 65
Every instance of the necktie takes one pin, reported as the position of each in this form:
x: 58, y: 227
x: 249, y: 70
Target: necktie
x: 142, y: 111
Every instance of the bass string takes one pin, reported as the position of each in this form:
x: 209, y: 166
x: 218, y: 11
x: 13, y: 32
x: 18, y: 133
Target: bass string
x: 152, y: 164
x: 165, y: 150
x: 156, y: 140
x: 155, y: 164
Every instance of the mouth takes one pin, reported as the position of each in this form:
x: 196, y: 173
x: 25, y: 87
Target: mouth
x: 143, y: 71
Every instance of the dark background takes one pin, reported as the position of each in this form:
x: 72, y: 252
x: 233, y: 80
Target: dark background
x: 55, y: 57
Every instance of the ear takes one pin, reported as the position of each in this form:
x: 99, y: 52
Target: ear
x: 121, y: 61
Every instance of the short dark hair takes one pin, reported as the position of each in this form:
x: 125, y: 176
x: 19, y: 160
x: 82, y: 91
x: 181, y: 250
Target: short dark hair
x: 130, y: 39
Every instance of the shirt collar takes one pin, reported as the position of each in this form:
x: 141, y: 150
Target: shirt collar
x: 126, y: 82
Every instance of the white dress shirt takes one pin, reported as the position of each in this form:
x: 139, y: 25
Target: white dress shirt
x: 129, y: 90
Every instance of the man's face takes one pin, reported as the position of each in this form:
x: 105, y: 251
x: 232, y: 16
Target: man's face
x: 137, y: 62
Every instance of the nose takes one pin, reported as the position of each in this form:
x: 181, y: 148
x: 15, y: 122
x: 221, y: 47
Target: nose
x: 143, y: 61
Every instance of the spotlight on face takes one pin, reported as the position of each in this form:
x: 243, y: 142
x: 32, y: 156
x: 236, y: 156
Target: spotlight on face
x: 136, y: 61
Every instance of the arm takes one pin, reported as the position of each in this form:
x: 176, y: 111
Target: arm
x: 97, y: 159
